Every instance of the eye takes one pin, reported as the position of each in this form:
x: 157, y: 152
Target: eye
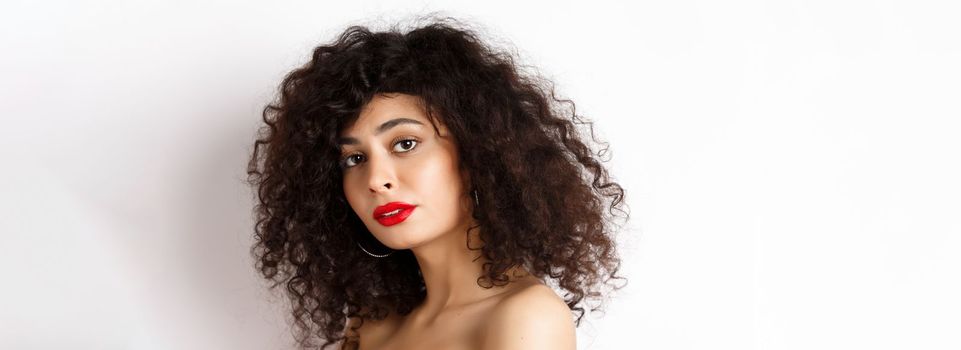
x: 401, y: 146
x: 405, y: 145
x: 350, y: 161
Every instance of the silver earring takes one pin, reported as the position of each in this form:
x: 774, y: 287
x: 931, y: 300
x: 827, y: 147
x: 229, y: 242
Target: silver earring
x: 477, y: 202
x: 372, y: 254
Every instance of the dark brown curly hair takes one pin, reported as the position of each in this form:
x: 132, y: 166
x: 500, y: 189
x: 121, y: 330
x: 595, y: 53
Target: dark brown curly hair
x: 546, y: 202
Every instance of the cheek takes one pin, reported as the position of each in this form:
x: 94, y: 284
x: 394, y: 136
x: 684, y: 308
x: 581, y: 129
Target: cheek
x: 352, y: 194
x: 438, y: 179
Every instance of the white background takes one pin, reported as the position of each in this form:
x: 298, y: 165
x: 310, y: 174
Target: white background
x: 791, y: 166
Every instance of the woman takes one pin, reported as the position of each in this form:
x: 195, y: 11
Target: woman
x: 417, y: 192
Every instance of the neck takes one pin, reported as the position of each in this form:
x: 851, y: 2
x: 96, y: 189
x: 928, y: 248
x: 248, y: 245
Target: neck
x: 450, y: 271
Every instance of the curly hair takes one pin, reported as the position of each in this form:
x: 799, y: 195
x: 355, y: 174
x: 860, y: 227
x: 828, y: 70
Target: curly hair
x: 546, y: 201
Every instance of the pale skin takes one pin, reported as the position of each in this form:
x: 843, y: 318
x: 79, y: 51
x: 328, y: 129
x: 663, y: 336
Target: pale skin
x: 392, y: 153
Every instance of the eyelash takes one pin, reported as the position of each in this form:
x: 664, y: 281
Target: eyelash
x: 343, y: 161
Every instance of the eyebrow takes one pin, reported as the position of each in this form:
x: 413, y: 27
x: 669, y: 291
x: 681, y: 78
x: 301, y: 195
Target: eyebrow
x: 380, y: 129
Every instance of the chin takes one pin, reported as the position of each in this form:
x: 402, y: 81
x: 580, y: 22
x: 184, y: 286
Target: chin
x: 401, y: 239
x: 397, y: 239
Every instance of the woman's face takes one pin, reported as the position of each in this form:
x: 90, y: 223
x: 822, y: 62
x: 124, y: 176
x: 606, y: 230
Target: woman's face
x: 391, y: 154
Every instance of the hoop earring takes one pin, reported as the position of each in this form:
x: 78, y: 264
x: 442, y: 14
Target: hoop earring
x: 372, y: 254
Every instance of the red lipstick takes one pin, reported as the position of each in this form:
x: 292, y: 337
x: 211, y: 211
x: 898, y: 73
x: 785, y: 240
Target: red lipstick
x: 393, y: 213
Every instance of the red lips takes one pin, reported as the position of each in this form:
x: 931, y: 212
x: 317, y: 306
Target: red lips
x: 404, y: 210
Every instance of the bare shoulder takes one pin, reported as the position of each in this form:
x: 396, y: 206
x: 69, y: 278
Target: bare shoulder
x: 534, y: 317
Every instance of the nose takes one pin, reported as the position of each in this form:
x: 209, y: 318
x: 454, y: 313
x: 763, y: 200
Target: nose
x: 381, y: 175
